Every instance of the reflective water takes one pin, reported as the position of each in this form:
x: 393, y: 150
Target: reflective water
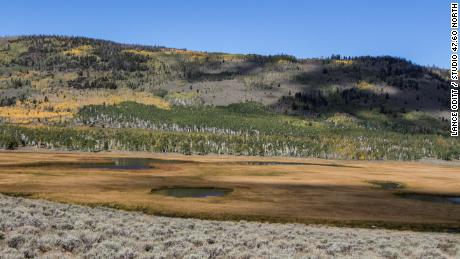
x: 116, y: 163
x: 387, y: 185
x: 431, y: 198
x: 192, y: 192
x: 122, y: 163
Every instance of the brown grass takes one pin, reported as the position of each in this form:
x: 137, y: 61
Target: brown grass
x: 336, y: 192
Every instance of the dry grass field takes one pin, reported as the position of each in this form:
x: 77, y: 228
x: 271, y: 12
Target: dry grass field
x: 271, y: 189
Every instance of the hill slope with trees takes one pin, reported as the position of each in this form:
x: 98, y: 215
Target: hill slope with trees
x: 78, y: 93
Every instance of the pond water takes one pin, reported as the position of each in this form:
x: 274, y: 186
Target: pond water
x: 431, y: 198
x: 115, y: 163
x: 192, y: 192
x: 387, y: 185
x: 122, y: 163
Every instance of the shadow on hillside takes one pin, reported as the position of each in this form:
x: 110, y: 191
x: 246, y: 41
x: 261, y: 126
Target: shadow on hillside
x: 385, y: 90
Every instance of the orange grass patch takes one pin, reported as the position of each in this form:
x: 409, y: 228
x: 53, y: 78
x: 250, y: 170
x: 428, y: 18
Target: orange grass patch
x: 309, y: 190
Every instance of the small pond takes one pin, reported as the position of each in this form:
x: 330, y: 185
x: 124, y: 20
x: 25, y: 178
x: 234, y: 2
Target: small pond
x: 115, y: 163
x: 431, y: 198
x: 192, y: 192
x: 387, y: 185
x: 122, y: 163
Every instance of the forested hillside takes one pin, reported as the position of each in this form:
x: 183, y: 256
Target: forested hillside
x: 78, y: 93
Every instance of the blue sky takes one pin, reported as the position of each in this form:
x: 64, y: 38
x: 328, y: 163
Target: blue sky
x: 416, y: 30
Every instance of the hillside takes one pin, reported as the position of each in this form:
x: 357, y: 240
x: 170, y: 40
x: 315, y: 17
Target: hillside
x: 65, y: 92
